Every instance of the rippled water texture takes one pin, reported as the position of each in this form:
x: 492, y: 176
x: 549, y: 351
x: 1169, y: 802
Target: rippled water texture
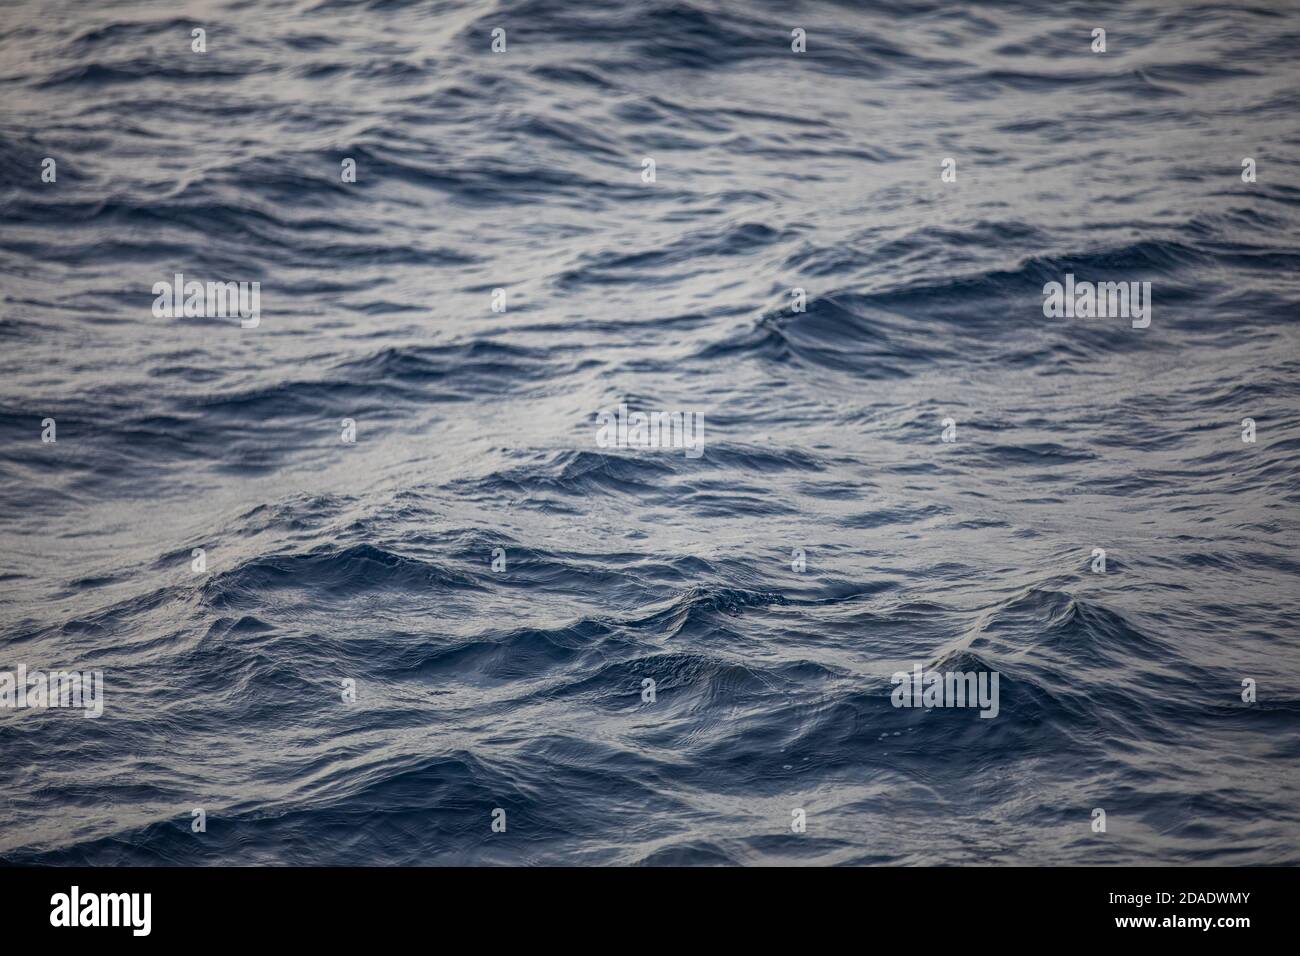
x: 521, y: 689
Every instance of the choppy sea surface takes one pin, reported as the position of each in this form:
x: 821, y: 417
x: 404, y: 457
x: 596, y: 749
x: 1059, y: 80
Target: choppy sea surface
x: 522, y: 688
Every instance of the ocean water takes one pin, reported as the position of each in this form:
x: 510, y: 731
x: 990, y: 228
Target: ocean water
x: 522, y: 688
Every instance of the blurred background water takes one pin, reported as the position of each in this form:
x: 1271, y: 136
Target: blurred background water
x: 521, y: 689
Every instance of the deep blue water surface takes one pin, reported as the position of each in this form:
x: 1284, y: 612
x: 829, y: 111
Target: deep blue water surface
x: 522, y: 689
